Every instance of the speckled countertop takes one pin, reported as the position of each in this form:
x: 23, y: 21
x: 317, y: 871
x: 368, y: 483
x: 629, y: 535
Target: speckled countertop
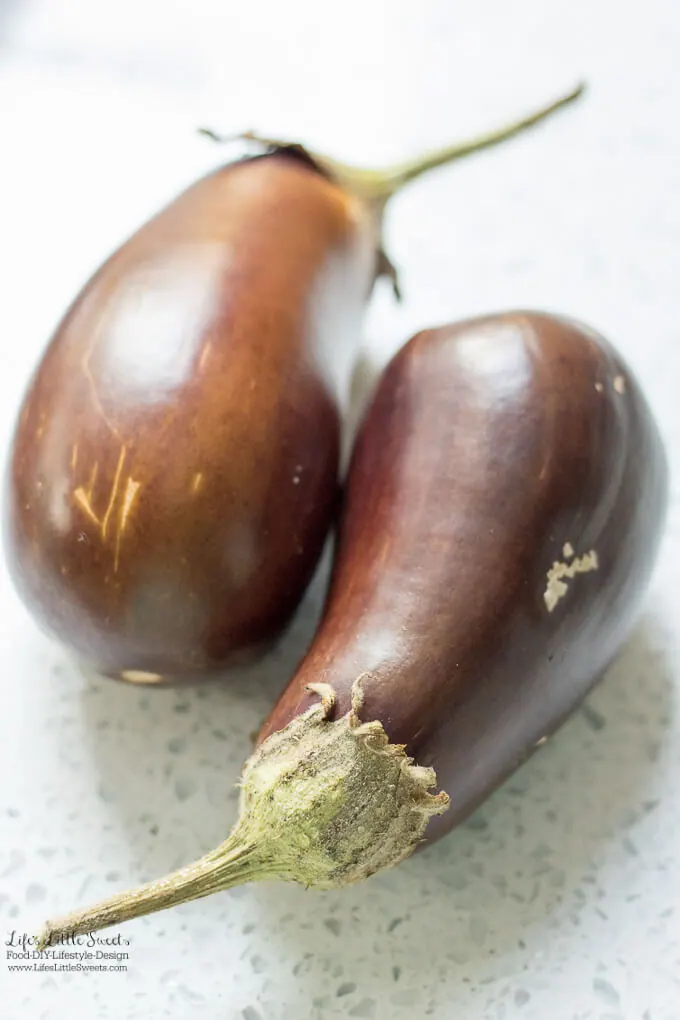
x: 559, y: 898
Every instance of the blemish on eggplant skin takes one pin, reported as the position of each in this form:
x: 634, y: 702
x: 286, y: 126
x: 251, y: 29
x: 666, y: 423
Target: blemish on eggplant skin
x: 561, y: 572
x: 140, y: 676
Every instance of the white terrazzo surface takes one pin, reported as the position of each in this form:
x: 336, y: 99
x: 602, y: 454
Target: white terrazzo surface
x: 559, y: 899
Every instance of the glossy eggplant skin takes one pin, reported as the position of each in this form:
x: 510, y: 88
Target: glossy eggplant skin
x: 492, y: 450
x: 173, y: 474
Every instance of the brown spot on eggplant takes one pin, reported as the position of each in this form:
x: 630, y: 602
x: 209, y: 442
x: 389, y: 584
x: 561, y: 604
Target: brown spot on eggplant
x: 449, y: 530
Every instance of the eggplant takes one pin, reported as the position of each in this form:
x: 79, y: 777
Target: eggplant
x: 174, y: 470
x: 504, y: 505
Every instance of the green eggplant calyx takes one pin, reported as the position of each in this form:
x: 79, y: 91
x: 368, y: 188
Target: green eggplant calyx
x: 324, y: 802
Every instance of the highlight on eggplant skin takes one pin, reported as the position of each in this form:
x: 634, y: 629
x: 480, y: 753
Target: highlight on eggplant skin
x: 502, y: 515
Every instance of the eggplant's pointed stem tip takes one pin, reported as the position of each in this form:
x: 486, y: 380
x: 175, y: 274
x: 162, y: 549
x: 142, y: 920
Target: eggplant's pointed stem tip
x: 237, y: 136
x: 232, y: 863
x: 579, y: 89
x: 207, y: 132
x: 215, y: 136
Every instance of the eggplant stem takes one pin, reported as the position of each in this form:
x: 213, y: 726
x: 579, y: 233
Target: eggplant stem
x: 232, y: 863
x: 396, y: 177
x: 377, y: 186
x: 324, y: 802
